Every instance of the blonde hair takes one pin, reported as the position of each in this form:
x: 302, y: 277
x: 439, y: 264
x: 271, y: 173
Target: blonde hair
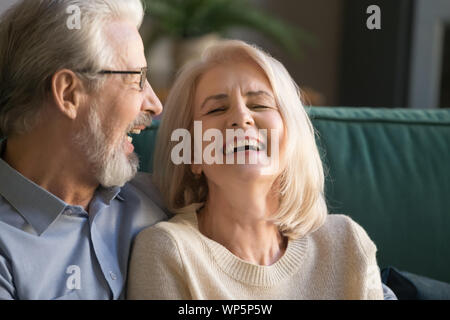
x: 302, y: 204
x: 36, y: 42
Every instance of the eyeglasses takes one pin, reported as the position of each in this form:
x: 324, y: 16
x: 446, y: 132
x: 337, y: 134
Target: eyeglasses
x: 142, y: 73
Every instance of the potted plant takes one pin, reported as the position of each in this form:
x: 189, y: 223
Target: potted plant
x: 192, y: 23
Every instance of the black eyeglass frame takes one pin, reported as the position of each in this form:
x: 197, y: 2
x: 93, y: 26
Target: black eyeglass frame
x: 142, y: 73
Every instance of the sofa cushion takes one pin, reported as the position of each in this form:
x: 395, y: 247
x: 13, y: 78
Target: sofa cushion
x: 409, y: 286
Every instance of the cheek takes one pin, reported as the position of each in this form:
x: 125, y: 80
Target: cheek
x: 274, y: 121
x: 283, y: 139
x: 208, y: 145
x: 282, y: 133
x: 126, y: 110
x: 209, y: 126
x: 276, y: 124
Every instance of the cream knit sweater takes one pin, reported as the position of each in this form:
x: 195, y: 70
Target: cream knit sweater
x: 173, y: 260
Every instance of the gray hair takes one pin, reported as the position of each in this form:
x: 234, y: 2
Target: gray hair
x: 36, y: 42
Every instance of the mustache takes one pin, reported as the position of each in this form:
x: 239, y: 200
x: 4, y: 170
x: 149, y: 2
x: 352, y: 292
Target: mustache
x: 143, y: 119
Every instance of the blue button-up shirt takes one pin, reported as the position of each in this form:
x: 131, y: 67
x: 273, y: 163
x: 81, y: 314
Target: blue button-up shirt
x: 52, y: 250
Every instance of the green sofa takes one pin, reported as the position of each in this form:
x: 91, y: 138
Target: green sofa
x: 389, y: 169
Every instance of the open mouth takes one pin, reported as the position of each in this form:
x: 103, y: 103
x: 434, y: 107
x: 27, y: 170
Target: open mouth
x: 134, y: 130
x: 243, y: 145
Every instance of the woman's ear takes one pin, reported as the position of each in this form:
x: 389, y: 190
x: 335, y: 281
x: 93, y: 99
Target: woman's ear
x: 67, y: 91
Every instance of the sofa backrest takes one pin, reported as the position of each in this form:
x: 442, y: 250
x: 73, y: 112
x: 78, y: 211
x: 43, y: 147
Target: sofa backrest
x: 389, y: 169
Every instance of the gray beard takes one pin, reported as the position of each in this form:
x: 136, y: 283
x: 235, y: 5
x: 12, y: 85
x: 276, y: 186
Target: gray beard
x: 111, y: 166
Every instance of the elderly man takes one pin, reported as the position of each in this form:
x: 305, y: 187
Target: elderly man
x: 69, y: 96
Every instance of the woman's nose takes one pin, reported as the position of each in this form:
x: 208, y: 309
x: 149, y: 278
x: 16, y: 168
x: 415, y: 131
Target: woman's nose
x: 240, y: 116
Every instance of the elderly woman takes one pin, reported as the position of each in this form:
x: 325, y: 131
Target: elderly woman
x: 253, y: 230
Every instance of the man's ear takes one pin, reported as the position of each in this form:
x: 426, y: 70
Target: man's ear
x: 67, y: 92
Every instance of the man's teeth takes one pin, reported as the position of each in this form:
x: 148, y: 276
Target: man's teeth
x: 242, y: 145
x: 133, y: 131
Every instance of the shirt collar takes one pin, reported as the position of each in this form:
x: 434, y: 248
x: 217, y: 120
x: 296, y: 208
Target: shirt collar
x: 38, y: 207
x: 108, y: 194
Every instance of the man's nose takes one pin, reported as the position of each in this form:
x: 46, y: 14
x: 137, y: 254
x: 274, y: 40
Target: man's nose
x: 240, y: 115
x: 151, y: 102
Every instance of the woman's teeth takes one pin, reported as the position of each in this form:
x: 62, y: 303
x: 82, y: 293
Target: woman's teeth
x: 243, y: 145
x: 130, y: 139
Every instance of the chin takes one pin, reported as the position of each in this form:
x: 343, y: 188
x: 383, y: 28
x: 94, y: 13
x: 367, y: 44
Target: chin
x: 118, y: 169
x: 249, y: 172
x: 254, y: 166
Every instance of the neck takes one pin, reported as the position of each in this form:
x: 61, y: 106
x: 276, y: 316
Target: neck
x: 240, y: 221
x: 52, y: 165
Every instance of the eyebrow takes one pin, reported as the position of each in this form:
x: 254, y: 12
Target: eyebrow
x: 221, y: 96
x: 258, y: 93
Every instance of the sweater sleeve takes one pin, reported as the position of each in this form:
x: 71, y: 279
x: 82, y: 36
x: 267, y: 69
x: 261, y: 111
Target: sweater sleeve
x: 156, y: 269
x: 373, y: 289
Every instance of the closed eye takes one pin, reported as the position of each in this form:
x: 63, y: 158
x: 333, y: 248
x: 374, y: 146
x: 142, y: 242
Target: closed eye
x: 260, y: 107
x: 216, y: 110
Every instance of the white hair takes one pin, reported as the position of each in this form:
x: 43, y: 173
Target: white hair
x: 302, y: 204
x: 36, y: 42
x: 109, y: 163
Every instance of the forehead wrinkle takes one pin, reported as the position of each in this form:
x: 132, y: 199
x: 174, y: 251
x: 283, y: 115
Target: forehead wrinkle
x: 127, y: 44
x: 258, y: 93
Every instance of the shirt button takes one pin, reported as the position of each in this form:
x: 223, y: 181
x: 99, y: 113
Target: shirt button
x: 113, y: 275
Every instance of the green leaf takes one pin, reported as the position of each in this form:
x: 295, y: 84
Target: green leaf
x: 191, y: 18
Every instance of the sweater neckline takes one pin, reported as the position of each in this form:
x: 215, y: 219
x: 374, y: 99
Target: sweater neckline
x: 249, y: 273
